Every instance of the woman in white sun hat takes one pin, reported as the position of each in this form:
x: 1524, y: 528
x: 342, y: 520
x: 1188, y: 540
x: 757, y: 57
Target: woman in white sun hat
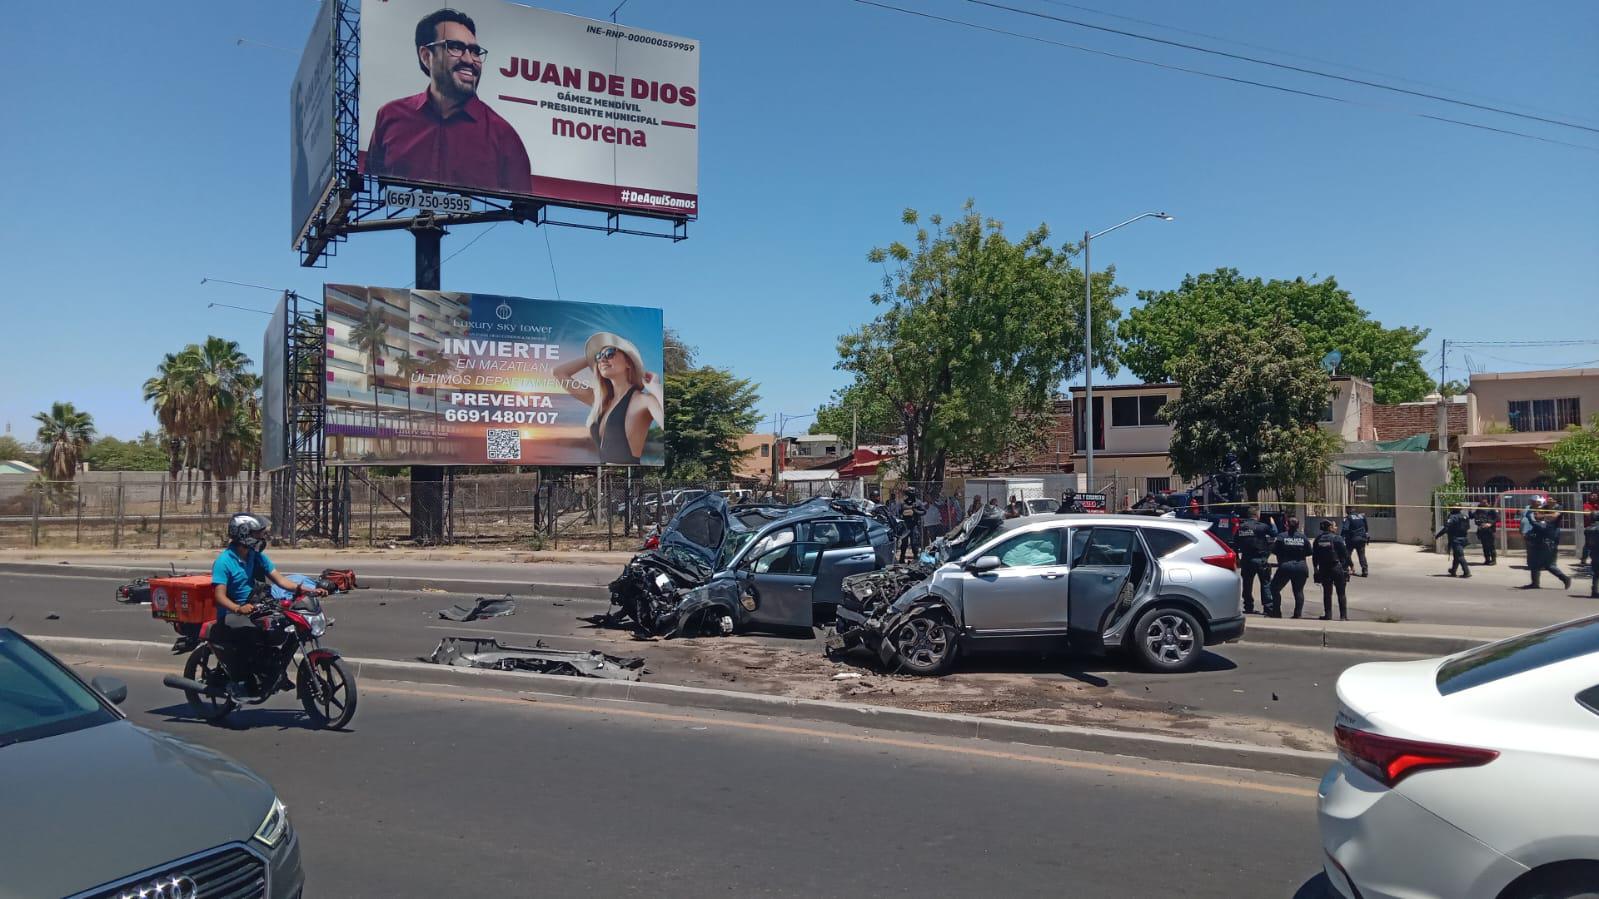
x: 625, y: 400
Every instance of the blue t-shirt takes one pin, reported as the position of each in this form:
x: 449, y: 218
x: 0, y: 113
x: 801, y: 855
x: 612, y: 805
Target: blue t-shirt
x: 237, y: 574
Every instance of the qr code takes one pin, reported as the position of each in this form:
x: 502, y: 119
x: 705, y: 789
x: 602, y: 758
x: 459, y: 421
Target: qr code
x: 505, y: 445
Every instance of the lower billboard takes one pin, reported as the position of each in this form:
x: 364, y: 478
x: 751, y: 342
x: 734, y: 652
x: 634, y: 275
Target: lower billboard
x: 435, y: 377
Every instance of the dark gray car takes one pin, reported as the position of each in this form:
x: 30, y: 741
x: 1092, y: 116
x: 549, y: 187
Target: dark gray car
x: 97, y: 808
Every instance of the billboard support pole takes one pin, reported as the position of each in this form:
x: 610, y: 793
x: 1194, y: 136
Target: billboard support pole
x: 427, y: 481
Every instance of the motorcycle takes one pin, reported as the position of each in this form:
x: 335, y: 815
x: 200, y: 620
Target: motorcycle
x: 229, y: 667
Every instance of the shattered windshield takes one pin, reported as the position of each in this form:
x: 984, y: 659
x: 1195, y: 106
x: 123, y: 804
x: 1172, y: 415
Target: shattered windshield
x: 735, y: 541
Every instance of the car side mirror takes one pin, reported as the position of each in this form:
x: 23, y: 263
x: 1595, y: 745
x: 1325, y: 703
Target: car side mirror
x: 111, y: 688
x: 984, y: 563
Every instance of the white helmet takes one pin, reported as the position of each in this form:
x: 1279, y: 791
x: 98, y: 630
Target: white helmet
x: 249, y: 529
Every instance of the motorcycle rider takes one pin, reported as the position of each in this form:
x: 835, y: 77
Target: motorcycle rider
x: 1254, y: 538
x: 1291, y: 548
x: 1330, y: 555
x: 235, y: 573
x: 1356, y: 535
x: 1458, y: 527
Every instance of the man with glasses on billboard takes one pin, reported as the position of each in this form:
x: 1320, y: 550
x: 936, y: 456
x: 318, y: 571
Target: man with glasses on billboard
x: 446, y: 135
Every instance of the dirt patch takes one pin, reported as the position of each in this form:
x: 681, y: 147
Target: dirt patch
x: 803, y: 672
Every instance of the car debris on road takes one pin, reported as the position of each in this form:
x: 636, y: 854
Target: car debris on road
x: 487, y: 652
x: 483, y: 608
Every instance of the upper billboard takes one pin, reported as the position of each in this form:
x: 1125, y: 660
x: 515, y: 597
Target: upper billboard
x: 432, y: 377
x: 490, y: 97
x: 311, y: 127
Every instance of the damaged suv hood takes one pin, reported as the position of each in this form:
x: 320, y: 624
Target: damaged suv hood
x: 699, y: 528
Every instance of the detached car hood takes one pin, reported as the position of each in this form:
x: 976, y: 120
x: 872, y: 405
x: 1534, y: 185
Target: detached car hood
x: 96, y: 805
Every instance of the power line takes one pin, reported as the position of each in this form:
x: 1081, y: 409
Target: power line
x: 551, y: 253
x: 1204, y: 74
x: 1283, y: 65
x: 1292, y: 55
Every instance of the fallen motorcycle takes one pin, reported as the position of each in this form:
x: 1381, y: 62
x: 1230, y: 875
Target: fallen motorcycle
x: 236, y: 666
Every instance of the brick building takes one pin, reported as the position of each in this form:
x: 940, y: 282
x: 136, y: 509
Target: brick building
x: 1397, y: 420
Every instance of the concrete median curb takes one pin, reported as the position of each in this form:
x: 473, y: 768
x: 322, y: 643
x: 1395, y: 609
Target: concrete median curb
x: 1436, y: 640
x: 1089, y: 739
x: 374, y: 582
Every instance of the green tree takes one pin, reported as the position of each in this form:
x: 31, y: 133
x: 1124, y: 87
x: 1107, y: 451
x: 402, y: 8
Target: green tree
x: 1451, y: 388
x: 1158, y: 334
x: 64, y: 433
x: 145, y: 453
x: 853, y: 411
x: 976, y: 334
x: 1257, y: 392
x: 707, y: 411
x: 1575, y: 457
x: 679, y: 356
x: 12, y: 449
x: 205, y: 398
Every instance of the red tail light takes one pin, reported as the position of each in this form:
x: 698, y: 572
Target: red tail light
x: 1226, y: 558
x: 1390, y: 759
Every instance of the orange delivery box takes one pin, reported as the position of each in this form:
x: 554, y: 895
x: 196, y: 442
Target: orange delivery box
x: 183, y: 600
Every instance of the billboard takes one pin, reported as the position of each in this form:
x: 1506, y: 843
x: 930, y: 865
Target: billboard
x: 311, y: 128
x: 435, y: 377
x: 513, y: 101
x: 274, y: 389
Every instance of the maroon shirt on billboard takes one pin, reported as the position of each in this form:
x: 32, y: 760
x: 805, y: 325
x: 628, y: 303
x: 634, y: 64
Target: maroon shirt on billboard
x: 474, y: 149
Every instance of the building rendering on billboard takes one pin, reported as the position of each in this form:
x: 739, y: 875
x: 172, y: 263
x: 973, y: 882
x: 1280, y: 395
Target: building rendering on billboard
x: 311, y: 126
x: 489, y: 97
x: 433, y: 377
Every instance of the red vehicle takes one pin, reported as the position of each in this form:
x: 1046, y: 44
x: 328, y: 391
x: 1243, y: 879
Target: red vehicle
x: 234, y: 666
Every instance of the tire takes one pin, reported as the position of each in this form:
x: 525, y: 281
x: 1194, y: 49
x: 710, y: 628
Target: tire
x: 336, y: 705
x: 202, y: 666
x: 1168, y: 640
x: 926, y: 644
x: 1571, y: 880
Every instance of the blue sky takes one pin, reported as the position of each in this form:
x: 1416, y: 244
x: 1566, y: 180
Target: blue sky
x: 154, y: 154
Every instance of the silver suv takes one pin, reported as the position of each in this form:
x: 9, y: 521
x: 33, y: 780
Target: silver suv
x: 1162, y: 589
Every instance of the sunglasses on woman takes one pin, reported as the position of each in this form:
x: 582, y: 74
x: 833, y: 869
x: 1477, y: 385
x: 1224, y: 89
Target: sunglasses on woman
x: 605, y: 354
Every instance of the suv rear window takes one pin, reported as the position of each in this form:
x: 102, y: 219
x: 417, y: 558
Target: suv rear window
x: 1163, y: 542
x: 1518, y: 655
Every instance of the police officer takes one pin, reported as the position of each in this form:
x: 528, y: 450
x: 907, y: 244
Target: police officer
x: 1487, y: 530
x: 1591, y: 534
x: 1254, y: 539
x: 1333, y: 565
x: 1458, y: 527
x: 910, y: 515
x: 1291, y: 549
x: 1545, y: 537
x: 1357, y: 536
x: 1228, y: 485
x: 1069, y: 503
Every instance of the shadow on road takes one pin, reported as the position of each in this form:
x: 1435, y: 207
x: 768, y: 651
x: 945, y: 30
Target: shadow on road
x: 248, y: 718
x: 1315, y: 888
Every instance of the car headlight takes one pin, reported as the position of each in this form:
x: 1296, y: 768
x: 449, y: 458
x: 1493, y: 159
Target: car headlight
x: 275, y: 826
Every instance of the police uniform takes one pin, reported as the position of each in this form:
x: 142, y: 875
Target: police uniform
x: 1291, y: 548
x: 1356, y: 536
x: 1487, y: 524
x: 1458, y: 527
x: 1591, y: 534
x: 1546, y: 537
x: 1254, y: 560
x: 1330, y: 554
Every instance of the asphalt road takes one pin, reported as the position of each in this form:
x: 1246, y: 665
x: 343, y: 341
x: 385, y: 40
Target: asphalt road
x: 1279, y: 683
x: 436, y: 791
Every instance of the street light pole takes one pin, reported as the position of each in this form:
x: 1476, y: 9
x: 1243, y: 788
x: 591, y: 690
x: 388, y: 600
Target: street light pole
x: 1088, y: 341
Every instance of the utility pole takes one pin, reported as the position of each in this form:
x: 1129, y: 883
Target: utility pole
x: 427, y: 481
x: 1443, y: 399
x: 854, y: 429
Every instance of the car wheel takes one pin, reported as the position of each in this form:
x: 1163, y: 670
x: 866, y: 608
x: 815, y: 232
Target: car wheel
x: 1168, y: 640
x: 926, y: 644
x: 204, y: 668
x: 327, y: 692
x: 1567, y: 881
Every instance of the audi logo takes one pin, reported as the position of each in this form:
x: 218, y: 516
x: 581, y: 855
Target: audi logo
x: 180, y: 886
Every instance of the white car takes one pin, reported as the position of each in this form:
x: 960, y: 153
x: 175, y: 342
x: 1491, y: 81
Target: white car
x: 1474, y: 775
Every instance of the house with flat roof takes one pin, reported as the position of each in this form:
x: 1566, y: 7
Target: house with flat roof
x: 1518, y: 413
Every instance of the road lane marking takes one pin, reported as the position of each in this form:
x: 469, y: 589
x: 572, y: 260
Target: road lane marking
x: 527, y: 701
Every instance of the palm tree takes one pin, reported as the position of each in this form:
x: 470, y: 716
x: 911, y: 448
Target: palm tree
x: 64, y: 433
x: 166, y: 392
x: 370, y: 336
